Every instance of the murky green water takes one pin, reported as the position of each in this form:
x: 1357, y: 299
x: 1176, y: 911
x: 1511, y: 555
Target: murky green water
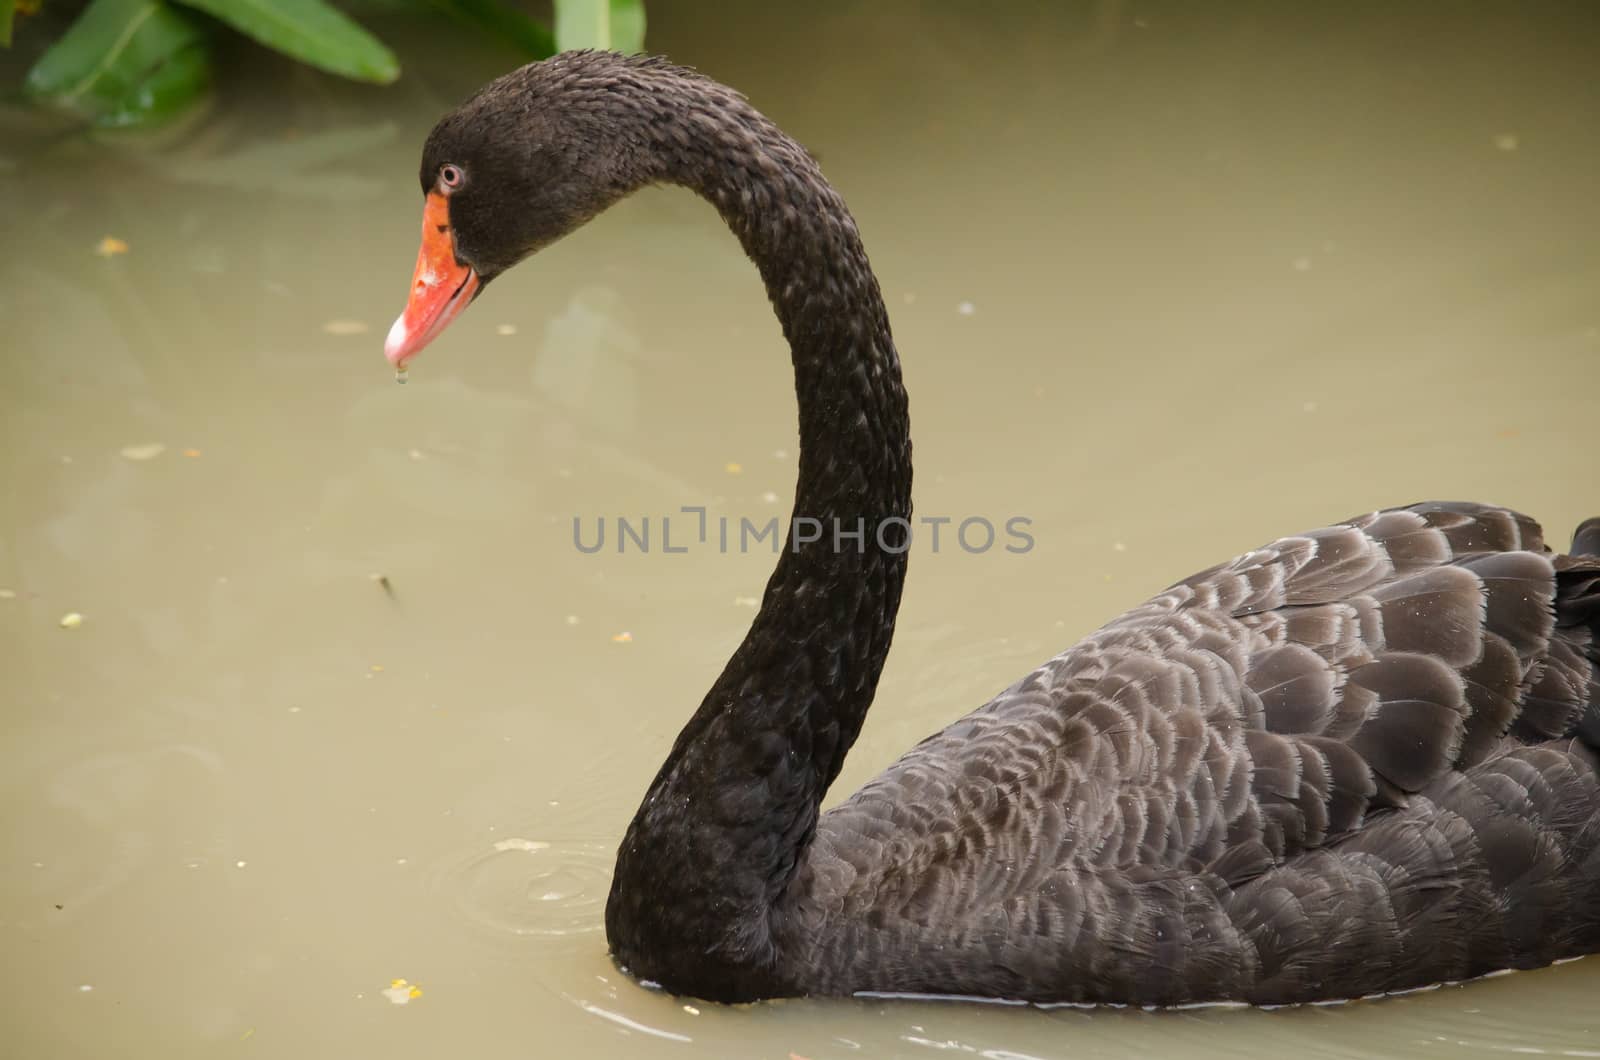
x: 1168, y: 280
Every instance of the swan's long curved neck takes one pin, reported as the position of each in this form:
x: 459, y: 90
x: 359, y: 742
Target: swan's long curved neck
x: 703, y: 868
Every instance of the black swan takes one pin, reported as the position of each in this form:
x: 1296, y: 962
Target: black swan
x: 1357, y: 760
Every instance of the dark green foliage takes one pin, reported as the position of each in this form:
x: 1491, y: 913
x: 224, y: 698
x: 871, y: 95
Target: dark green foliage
x: 126, y: 63
x: 308, y: 30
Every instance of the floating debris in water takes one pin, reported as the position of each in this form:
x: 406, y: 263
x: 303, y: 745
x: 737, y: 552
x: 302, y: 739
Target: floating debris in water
x: 147, y: 451
x: 746, y: 601
x: 622, y: 638
x: 401, y: 992
x: 505, y: 329
x: 1301, y: 264
x: 732, y: 468
x: 8, y: 594
x: 346, y: 327
x: 384, y: 584
x: 573, y: 620
x: 966, y: 309
x: 110, y: 247
x: 71, y: 620
x: 1118, y: 546
x: 400, y: 375
x: 1507, y: 142
x: 191, y: 453
x: 770, y: 497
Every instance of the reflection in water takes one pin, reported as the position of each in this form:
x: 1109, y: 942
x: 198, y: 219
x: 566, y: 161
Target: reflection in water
x: 586, y: 360
x: 299, y: 166
x: 1227, y: 272
x: 102, y: 811
x: 631, y: 1024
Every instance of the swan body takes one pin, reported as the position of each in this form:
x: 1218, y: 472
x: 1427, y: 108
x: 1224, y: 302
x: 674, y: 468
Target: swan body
x: 1359, y: 759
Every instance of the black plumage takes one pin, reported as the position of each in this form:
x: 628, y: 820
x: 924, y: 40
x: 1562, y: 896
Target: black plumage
x: 1358, y: 759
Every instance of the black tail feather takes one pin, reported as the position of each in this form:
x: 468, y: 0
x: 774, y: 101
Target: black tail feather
x: 1578, y: 580
x: 1578, y: 609
x: 1586, y: 539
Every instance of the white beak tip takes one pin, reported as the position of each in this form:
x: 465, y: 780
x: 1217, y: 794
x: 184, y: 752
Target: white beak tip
x: 394, y: 347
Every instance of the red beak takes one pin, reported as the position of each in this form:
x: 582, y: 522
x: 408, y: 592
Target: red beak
x: 440, y: 289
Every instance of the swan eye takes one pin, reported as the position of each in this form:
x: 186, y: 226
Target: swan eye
x: 450, y: 176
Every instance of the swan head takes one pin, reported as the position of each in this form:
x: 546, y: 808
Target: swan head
x: 528, y: 159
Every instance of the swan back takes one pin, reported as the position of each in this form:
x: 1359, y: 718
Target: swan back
x: 1348, y: 761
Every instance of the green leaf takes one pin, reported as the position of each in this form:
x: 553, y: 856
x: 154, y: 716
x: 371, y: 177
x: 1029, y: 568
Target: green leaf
x: 113, y: 51
x: 627, y: 25
x: 606, y: 24
x: 503, y: 22
x: 8, y: 9
x: 166, y: 93
x: 311, y: 31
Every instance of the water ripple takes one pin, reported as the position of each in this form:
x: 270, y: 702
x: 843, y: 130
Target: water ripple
x: 534, y: 887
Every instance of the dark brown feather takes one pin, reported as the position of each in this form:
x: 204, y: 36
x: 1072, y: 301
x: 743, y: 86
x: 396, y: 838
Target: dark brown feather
x: 1372, y: 727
